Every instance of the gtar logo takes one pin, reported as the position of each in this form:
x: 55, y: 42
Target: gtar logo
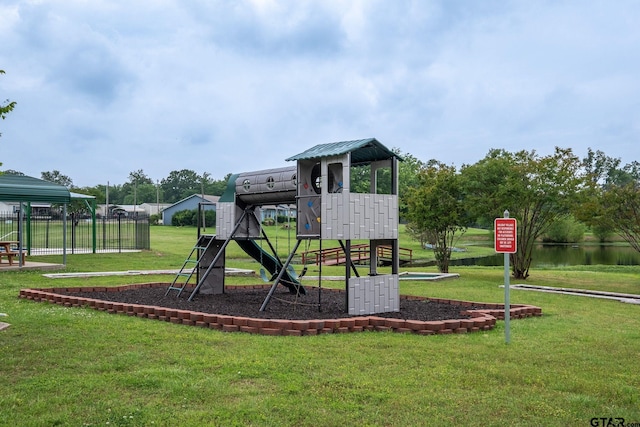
x: 607, y: 422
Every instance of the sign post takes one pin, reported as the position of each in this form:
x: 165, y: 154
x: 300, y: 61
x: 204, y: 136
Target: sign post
x: 506, y: 242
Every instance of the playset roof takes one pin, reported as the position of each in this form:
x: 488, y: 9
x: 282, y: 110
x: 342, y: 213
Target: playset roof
x: 362, y: 151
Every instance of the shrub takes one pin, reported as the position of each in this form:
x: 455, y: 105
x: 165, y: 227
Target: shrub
x: 269, y: 221
x: 183, y: 218
x: 190, y: 218
x: 155, y: 219
x: 283, y: 219
x: 602, y: 232
x: 565, y: 230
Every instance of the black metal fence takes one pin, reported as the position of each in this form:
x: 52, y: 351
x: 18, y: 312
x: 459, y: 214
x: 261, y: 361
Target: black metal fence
x: 43, y: 234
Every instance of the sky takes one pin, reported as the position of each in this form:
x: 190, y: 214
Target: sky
x: 108, y: 87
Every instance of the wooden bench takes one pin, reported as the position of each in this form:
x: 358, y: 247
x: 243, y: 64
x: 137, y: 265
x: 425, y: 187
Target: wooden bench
x: 12, y: 254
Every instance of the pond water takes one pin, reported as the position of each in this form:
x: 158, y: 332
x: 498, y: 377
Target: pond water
x: 559, y: 255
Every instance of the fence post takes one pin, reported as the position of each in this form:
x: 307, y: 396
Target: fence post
x: 94, y: 230
x: 64, y: 234
x: 119, y: 232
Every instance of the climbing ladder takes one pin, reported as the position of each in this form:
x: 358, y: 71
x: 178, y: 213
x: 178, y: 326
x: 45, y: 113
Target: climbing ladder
x: 190, y: 265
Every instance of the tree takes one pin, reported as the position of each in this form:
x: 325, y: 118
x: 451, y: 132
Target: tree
x: 180, y: 184
x: 56, y: 177
x: 6, y: 107
x: 139, y: 189
x: 116, y: 193
x: 436, y: 209
x: 139, y: 177
x: 408, y: 170
x: 217, y: 187
x: 621, y: 205
x: 535, y: 190
x: 141, y: 193
x: 98, y: 192
x: 407, y: 179
x: 418, y: 233
x: 600, y: 171
x: 611, y: 200
x: 76, y: 207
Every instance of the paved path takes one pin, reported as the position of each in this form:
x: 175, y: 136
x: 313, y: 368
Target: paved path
x: 228, y: 271
x: 628, y: 298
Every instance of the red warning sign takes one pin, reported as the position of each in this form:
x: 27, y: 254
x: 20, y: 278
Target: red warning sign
x: 505, y: 235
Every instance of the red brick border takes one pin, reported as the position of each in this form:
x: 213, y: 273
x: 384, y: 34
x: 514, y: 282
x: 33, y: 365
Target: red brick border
x: 480, y: 319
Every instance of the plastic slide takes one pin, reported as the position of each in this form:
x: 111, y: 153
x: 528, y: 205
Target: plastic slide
x: 271, y: 264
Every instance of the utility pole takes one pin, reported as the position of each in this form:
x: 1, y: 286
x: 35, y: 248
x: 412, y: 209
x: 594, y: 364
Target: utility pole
x: 135, y: 197
x: 106, y: 207
x: 204, y: 216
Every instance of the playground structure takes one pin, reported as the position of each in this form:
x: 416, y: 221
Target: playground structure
x: 319, y: 185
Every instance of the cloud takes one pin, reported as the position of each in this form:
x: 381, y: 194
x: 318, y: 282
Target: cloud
x: 92, y: 71
x: 273, y: 30
x: 225, y: 87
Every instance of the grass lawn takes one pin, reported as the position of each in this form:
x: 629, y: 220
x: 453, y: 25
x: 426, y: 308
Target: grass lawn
x: 81, y: 367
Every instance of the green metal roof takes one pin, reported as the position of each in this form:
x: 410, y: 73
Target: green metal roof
x: 81, y: 196
x: 362, y: 151
x: 21, y: 188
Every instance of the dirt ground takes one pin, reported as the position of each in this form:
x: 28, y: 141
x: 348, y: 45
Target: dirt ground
x: 246, y: 302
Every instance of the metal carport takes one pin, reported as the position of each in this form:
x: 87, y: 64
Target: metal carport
x: 26, y: 189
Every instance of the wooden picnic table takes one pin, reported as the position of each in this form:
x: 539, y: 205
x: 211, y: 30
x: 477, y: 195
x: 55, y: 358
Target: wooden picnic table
x: 6, y: 250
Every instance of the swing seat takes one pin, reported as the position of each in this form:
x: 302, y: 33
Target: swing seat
x: 293, y: 274
x: 263, y: 274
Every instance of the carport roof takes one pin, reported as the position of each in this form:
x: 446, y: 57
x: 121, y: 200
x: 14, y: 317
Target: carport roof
x: 22, y: 188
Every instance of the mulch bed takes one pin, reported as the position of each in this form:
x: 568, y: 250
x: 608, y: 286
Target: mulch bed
x: 246, y: 301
